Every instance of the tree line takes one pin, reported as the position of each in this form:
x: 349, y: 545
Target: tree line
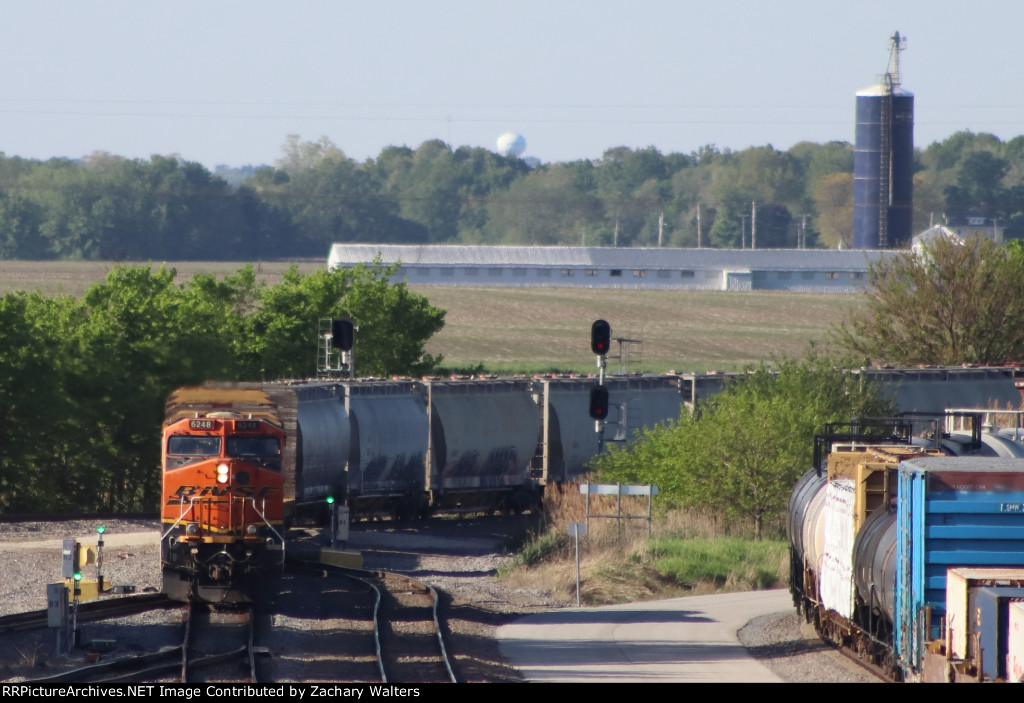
x: 83, y: 380
x: 105, y: 207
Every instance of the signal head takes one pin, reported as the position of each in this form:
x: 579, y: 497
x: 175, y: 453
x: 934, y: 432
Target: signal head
x: 599, y: 402
x: 600, y: 337
x: 343, y: 335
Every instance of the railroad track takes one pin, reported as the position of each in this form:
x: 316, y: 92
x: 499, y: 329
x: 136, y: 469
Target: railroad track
x: 215, y: 646
x: 330, y: 624
x: 220, y: 644
x: 90, y: 610
x: 410, y: 633
x: 161, y: 664
x: 863, y: 652
x: 403, y: 627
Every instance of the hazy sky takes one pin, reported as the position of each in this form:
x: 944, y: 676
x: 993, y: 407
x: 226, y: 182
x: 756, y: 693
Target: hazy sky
x: 223, y: 81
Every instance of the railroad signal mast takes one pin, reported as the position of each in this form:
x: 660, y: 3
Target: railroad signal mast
x: 334, y: 356
x: 600, y: 343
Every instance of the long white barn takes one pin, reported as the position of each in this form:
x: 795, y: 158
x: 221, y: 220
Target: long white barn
x: 805, y: 270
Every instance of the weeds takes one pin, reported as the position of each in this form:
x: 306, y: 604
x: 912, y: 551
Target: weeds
x: 31, y: 654
x: 688, y: 553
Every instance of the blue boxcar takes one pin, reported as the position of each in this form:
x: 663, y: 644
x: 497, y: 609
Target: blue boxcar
x: 952, y: 511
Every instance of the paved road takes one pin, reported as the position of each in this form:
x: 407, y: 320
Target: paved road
x: 680, y: 640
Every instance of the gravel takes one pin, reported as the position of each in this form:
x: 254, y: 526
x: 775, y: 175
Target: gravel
x: 458, y: 557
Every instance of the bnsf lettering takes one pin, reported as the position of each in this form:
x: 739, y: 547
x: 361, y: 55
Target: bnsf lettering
x: 189, y: 492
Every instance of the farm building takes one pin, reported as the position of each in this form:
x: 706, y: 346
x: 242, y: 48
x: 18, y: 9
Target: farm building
x: 803, y: 270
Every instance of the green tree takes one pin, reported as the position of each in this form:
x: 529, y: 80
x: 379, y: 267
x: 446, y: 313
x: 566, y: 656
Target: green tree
x: 820, y: 160
x: 443, y: 191
x: 728, y: 230
x: 740, y: 452
x: 548, y: 206
x: 19, y: 228
x: 33, y: 408
x: 979, y: 182
x: 394, y: 324
x: 83, y: 382
x: 948, y: 304
x: 298, y: 156
x: 833, y: 199
x: 137, y: 337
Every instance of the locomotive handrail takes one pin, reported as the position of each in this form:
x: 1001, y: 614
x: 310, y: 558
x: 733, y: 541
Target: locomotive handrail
x: 267, y: 523
x: 181, y: 517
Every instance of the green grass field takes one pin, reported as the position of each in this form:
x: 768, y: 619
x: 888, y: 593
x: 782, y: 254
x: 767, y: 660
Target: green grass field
x: 532, y: 330
x: 541, y: 329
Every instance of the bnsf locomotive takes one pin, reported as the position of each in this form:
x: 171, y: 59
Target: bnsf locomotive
x: 222, y: 502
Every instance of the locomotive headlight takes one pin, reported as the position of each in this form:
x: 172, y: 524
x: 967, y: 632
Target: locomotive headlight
x: 251, y: 529
x: 222, y: 473
x: 192, y: 529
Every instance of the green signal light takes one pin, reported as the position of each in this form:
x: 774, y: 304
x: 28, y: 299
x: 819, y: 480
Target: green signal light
x: 101, y: 529
x: 78, y: 576
x: 330, y: 500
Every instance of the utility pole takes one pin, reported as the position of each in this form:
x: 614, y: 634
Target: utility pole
x: 753, y: 224
x: 743, y: 231
x: 661, y: 226
x: 699, y: 243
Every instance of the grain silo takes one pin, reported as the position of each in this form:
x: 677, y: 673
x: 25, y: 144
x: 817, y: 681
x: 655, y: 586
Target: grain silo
x: 883, y: 161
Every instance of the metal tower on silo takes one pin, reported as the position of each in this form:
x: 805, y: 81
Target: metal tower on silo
x: 883, y: 160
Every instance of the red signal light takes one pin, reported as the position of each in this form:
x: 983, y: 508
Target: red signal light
x: 600, y: 337
x: 599, y: 402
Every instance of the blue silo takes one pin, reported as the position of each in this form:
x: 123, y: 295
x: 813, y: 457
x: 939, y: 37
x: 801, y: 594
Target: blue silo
x: 883, y: 168
x: 883, y: 160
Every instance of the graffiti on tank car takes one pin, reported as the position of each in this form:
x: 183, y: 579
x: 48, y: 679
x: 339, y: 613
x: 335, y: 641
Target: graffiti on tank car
x: 502, y: 460
x: 189, y: 492
x: 376, y: 468
x: 466, y: 464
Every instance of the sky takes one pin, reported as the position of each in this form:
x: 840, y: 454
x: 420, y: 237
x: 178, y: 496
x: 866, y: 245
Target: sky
x: 225, y: 81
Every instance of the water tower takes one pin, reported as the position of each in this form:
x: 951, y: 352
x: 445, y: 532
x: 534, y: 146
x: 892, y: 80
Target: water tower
x: 511, y: 144
x: 883, y: 160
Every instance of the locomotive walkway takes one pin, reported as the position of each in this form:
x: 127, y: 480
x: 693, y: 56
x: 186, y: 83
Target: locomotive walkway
x: 689, y: 639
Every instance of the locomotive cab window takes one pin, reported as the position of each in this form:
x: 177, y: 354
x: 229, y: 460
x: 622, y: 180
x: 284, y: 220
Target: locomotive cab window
x: 187, y: 445
x: 183, y: 450
x: 241, y: 446
x: 262, y: 451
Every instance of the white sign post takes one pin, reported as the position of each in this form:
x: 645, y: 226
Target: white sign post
x: 575, y: 530
x: 619, y: 490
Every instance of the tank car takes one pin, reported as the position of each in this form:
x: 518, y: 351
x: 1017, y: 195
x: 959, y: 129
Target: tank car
x: 222, y: 495
x: 878, y: 539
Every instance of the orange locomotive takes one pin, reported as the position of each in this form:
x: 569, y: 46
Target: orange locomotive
x: 222, y: 496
